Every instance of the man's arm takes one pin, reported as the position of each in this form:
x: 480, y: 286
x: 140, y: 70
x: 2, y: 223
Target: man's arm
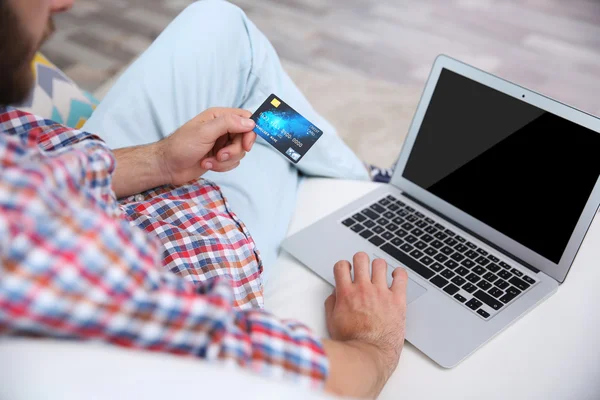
x: 215, y: 140
x: 365, y: 319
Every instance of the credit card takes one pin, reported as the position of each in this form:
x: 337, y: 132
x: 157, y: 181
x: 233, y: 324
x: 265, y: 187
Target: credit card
x: 285, y: 129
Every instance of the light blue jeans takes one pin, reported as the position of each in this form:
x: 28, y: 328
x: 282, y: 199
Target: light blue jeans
x: 212, y: 55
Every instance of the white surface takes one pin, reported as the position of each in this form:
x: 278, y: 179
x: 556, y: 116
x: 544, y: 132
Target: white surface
x: 552, y: 353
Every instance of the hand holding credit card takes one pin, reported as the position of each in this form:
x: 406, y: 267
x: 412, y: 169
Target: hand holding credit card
x: 285, y: 129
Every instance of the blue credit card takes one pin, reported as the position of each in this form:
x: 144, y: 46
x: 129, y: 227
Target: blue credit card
x: 285, y: 129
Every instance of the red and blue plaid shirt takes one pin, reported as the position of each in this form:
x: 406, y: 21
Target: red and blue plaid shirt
x: 171, y: 270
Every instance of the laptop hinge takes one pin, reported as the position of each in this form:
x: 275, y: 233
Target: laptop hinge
x: 504, y: 252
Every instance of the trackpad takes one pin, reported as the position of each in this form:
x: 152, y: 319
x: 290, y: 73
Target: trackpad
x: 413, y: 289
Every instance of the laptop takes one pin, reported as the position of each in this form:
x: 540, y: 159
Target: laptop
x: 492, y: 195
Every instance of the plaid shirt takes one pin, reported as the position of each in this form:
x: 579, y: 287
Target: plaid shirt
x: 170, y: 270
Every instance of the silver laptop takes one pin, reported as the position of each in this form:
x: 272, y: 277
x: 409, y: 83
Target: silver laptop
x: 491, y: 198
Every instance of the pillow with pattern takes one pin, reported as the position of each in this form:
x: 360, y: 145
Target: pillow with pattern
x: 57, y: 97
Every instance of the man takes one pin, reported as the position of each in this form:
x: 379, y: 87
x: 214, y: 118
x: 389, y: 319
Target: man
x: 169, y: 267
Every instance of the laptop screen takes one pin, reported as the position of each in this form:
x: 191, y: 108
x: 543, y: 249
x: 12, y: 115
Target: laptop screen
x: 521, y: 170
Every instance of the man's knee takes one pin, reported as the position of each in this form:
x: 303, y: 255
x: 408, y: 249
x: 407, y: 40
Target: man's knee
x: 228, y: 17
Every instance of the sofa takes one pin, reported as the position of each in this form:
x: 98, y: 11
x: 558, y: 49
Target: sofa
x: 551, y: 353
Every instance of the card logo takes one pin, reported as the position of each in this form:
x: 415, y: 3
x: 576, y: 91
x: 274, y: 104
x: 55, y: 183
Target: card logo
x: 293, y: 154
x: 275, y: 103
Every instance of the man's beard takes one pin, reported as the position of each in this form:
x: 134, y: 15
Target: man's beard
x: 17, y: 50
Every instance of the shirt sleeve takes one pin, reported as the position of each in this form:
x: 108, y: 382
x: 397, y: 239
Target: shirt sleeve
x: 70, y: 269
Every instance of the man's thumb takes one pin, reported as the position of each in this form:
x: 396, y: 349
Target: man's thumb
x: 228, y: 123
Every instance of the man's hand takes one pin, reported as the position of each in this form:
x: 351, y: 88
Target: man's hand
x: 366, y: 320
x: 215, y: 140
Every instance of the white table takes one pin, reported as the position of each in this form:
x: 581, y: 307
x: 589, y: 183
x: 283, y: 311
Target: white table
x: 551, y: 353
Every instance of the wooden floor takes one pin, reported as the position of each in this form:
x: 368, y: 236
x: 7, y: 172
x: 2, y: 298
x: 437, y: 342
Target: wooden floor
x: 551, y: 46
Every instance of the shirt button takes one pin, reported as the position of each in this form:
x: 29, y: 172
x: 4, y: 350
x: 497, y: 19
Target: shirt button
x: 139, y: 197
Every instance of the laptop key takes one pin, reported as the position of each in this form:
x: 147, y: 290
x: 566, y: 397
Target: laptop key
x: 430, y: 251
x: 416, y: 254
x: 440, y: 226
x: 505, y: 265
x: 426, y: 260
x: 451, y: 264
x: 473, y: 278
x: 493, y: 258
x: 397, y: 242
x: 389, y: 215
x: 431, y: 230
x: 478, y: 270
x: 411, y: 263
x: 437, y: 244
x: 369, y: 223
x: 420, y: 245
x: 471, y: 245
x: 482, y: 261
x: 412, y: 218
x: 384, y: 202
x: 398, y: 220
x: 440, y: 235
x: 461, y: 248
x: 493, y: 267
x: 485, y: 285
x: 427, y: 238
x: 366, y: 234
x: 348, y: 222
x: 393, y: 207
x: 378, y: 229
x: 438, y: 281
x: 409, y: 208
x: 516, y: 272
x: 370, y: 213
x: 407, y: 226
x: 482, y: 252
x: 402, y: 213
x: 513, y: 290
x: 474, y: 304
x: 457, y: 280
x: 460, y: 298
x: 391, y: 198
x: 406, y: 248
x: 502, y: 284
x: 507, y: 298
x: 448, y: 274
x: 495, y: 292
x: 377, y: 241
x: 469, y: 287
x: 400, y: 203
x: 490, y: 277
x: 416, y: 232
x: 450, y: 241
x: 518, y: 282
x: 504, y: 274
x: 422, y: 224
x: 437, y: 267
x: 451, y: 289
x: 357, y: 228
x: 440, y: 257
x: 387, y: 235
x: 418, y: 214
x: 471, y: 254
x: 447, y: 250
x: 410, y: 239
x: 359, y: 217
x: 468, y: 263
x: 457, y: 257
x: 391, y: 227
x: 489, y: 300
x: 483, y: 313
x: 377, y: 208
x: 528, y: 279
x: 401, y: 232
x: 462, y: 271
x: 449, y: 232
x: 429, y: 220
x: 382, y: 221
x: 460, y: 238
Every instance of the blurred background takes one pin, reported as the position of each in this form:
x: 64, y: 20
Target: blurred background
x: 363, y: 63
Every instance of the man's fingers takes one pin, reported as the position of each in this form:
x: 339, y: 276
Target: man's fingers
x: 232, y: 151
x: 228, y: 123
x: 217, y: 112
x: 379, y: 272
x: 341, y: 273
x: 248, y: 140
x: 329, y: 305
x: 361, y: 267
x: 400, y: 279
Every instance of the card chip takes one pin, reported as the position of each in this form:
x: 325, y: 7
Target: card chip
x: 276, y: 103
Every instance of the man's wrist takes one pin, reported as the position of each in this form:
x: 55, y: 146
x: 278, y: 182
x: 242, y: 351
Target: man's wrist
x: 161, y: 165
x: 377, y: 357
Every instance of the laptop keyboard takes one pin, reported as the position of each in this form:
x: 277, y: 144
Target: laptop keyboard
x: 480, y: 281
